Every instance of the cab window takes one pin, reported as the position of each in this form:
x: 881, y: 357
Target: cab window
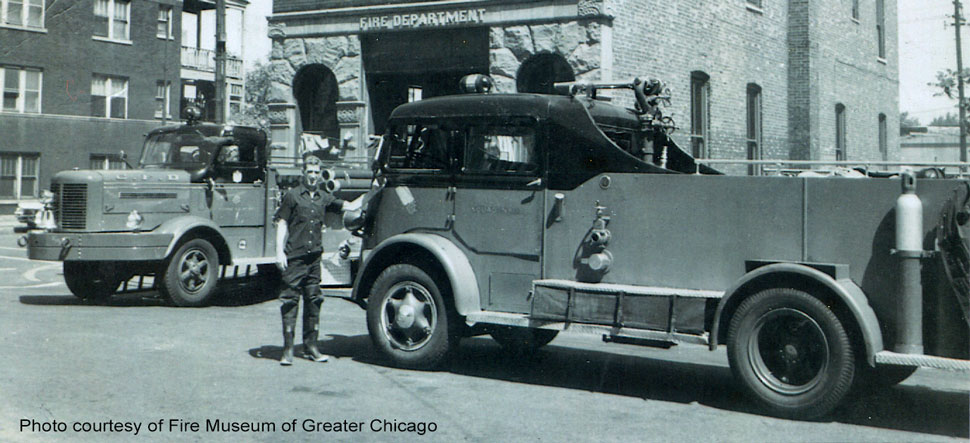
x: 501, y: 149
x: 425, y: 147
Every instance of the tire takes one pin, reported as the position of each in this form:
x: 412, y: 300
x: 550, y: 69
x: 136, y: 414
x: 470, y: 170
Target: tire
x: 791, y: 353
x: 190, y: 275
x: 94, y: 281
x: 408, y: 318
x: 522, y: 340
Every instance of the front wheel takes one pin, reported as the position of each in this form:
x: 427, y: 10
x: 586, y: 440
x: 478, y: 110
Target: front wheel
x: 791, y: 353
x: 408, y: 319
x: 91, y: 280
x: 190, y: 275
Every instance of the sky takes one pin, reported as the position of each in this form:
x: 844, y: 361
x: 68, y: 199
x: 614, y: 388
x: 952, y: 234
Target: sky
x: 926, y: 47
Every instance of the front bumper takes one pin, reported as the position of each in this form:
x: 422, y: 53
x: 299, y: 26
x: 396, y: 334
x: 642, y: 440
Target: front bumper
x: 115, y: 246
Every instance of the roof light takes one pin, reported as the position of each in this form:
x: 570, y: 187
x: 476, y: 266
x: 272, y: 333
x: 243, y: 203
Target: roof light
x: 477, y: 84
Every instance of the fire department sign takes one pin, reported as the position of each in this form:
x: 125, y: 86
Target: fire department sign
x: 423, y: 19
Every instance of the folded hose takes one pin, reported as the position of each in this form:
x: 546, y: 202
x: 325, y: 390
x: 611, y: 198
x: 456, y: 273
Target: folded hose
x: 953, y: 242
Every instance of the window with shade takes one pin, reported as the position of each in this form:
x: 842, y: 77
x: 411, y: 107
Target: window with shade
x: 112, y: 18
x: 163, y: 106
x: 699, y: 105
x: 21, y: 89
x: 22, y: 13
x: 18, y: 175
x: 840, y: 154
x: 109, y: 96
x: 164, y: 27
x: 106, y: 161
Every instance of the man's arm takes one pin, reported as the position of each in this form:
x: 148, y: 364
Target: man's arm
x: 281, y: 233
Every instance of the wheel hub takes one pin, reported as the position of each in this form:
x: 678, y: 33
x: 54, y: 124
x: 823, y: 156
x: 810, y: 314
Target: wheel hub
x: 404, y: 317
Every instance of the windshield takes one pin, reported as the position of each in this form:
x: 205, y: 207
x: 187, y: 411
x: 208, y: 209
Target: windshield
x: 182, y: 150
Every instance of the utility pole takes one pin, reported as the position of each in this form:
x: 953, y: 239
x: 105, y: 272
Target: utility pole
x: 221, y: 61
x: 957, y: 23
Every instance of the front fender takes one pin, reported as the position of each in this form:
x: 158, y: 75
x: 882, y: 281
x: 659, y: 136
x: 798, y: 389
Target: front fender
x: 178, y: 226
x: 850, y: 294
x: 454, y: 263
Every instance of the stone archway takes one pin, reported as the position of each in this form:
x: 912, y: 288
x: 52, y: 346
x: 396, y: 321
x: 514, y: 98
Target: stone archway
x: 316, y: 92
x: 539, y: 72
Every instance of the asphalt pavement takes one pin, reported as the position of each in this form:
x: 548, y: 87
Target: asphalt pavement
x: 136, y: 368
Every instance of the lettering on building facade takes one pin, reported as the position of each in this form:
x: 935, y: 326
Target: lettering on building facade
x: 423, y: 19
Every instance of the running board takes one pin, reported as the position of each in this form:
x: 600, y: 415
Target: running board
x: 523, y: 320
x: 923, y: 361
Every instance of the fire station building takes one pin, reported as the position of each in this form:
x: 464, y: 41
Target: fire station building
x: 749, y: 79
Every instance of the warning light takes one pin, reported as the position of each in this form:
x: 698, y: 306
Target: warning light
x: 477, y: 84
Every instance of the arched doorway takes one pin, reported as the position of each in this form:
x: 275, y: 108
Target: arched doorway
x: 315, y: 89
x: 539, y: 72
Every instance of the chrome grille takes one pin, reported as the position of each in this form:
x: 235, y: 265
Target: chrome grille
x: 71, y: 208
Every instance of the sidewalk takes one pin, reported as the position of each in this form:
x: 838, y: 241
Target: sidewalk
x: 8, y: 221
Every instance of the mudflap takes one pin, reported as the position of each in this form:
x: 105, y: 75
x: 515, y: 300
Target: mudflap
x: 953, y: 242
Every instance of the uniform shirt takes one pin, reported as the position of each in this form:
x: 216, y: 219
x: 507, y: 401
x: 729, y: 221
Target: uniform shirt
x: 304, y: 219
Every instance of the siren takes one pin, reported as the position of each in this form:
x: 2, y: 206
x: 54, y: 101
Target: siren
x: 477, y: 84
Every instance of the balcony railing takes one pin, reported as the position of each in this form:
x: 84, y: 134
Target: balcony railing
x: 205, y: 60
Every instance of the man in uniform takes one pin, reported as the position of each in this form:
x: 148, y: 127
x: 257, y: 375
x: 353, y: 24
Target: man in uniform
x: 299, y: 222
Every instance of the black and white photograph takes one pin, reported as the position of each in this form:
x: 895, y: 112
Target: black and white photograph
x: 484, y: 220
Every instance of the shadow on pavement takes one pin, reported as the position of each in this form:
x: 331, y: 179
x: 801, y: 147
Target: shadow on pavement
x: 242, y: 292
x: 904, y: 408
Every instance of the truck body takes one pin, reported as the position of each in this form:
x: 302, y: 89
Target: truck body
x: 200, y: 201
x: 520, y: 215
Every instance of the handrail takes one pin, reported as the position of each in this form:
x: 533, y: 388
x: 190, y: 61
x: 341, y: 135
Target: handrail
x: 796, y: 166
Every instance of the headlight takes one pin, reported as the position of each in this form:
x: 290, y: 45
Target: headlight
x: 134, y: 220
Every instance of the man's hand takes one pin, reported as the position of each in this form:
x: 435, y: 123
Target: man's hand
x: 281, y: 260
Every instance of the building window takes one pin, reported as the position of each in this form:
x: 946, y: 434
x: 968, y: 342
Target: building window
x: 111, y: 18
x: 26, y: 13
x: 18, y: 175
x: 754, y: 127
x: 163, y: 100
x: 106, y: 161
x: 164, y: 22
x: 235, y: 98
x: 881, y: 27
x: 855, y: 10
x: 21, y: 89
x: 883, y: 138
x: 840, y: 154
x: 699, y: 104
x: 415, y: 93
x: 109, y: 96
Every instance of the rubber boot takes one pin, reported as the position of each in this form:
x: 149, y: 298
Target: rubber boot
x: 310, y: 350
x: 287, y: 358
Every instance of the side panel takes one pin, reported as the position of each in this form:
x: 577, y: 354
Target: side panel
x: 676, y: 231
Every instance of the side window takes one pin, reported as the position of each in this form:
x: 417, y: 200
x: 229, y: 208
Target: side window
x: 501, y: 148
x: 423, y: 147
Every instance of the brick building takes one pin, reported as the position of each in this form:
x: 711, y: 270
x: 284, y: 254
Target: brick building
x: 84, y: 79
x: 772, y: 79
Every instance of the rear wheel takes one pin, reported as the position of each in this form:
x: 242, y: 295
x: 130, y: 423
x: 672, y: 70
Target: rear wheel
x: 522, y: 340
x: 91, y: 280
x: 408, y: 318
x: 191, y: 273
x: 791, y: 353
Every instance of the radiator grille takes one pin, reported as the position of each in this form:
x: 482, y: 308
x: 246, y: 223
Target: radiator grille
x: 70, y: 209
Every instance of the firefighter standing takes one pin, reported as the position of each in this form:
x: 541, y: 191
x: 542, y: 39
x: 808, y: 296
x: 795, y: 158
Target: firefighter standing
x: 299, y: 246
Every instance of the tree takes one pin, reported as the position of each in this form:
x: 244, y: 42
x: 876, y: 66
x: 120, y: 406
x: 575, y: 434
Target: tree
x: 950, y: 119
x: 258, y: 87
x: 905, y: 121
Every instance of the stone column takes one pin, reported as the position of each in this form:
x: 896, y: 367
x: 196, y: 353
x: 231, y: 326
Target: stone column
x: 282, y: 131
x: 349, y: 117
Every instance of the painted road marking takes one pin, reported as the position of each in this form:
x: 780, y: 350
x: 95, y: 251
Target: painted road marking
x: 32, y: 274
x: 13, y: 249
x: 42, y: 285
x: 19, y: 258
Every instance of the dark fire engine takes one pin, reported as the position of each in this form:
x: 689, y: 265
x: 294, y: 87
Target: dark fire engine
x: 522, y: 215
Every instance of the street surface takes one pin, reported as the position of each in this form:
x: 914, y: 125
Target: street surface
x: 140, y: 365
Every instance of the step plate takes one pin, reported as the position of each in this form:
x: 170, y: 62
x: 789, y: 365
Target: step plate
x: 923, y: 361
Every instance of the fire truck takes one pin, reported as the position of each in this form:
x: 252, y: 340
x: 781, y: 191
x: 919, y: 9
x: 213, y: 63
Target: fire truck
x: 195, y: 209
x: 523, y: 215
